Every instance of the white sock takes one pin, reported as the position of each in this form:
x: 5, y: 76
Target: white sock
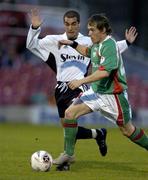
x: 94, y: 133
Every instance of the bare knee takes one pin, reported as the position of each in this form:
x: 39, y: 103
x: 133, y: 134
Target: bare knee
x: 75, y: 111
x: 70, y: 114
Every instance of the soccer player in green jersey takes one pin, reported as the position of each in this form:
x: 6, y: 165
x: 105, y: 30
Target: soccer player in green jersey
x: 108, y: 87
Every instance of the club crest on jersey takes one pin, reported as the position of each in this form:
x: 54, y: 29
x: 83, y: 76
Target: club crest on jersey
x: 102, y: 59
x: 65, y: 57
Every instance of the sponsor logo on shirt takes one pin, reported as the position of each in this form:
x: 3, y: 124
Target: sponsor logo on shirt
x: 65, y: 57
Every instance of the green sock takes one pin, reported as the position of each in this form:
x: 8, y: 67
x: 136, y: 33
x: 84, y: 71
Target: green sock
x: 139, y: 137
x: 70, y: 131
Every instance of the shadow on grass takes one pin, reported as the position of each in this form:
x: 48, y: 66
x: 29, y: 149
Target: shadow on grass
x: 113, y: 166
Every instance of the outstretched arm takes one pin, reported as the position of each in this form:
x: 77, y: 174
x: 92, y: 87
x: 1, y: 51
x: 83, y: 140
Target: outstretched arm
x: 35, y: 18
x: 39, y: 47
x: 80, y: 48
x: 97, y: 75
x: 130, y: 36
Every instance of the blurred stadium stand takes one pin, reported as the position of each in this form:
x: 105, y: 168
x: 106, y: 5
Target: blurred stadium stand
x: 26, y: 80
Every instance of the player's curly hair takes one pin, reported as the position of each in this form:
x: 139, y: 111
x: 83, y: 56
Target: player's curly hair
x: 101, y: 21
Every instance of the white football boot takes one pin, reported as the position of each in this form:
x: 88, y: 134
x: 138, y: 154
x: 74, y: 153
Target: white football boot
x: 64, y: 158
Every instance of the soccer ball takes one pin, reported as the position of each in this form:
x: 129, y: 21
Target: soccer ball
x: 41, y: 161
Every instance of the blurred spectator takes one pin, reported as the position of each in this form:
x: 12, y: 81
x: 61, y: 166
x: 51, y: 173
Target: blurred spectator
x: 13, y: 23
x: 9, y: 56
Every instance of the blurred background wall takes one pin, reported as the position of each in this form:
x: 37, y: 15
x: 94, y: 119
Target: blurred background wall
x: 27, y: 83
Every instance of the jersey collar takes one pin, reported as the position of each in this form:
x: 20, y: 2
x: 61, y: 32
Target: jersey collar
x: 65, y: 36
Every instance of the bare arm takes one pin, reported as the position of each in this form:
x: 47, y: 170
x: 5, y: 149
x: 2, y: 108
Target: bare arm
x: 37, y: 46
x: 97, y: 75
x: 80, y: 48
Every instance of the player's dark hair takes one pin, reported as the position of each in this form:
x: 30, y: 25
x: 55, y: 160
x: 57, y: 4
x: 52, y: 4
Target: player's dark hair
x: 72, y: 14
x: 101, y: 21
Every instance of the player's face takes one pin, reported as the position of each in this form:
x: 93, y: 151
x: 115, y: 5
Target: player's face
x: 72, y: 27
x: 95, y: 34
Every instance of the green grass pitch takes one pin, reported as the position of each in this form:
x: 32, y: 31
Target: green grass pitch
x: 124, y: 161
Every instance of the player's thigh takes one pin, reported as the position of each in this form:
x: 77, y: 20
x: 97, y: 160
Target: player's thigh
x: 65, y: 98
x: 77, y: 110
x: 116, y: 107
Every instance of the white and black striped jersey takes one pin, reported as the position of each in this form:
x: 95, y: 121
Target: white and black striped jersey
x: 66, y: 61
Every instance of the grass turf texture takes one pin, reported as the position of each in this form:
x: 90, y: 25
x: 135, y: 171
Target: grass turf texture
x: 124, y: 161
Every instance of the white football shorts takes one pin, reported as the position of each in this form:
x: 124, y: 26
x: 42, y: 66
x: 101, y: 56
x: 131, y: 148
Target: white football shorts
x: 114, y: 107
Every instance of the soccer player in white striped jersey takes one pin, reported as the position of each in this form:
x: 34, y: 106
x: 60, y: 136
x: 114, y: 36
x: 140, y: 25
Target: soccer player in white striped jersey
x: 68, y: 65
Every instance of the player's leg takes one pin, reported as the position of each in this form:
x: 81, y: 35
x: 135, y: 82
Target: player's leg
x: 85, y: 133
x: 135, y: 134
x: 86, y: 105
x: 63, y: 100
x: 98, y: 134
x: 124, y: 117
x: 70, y: 125
x: 70, y: 132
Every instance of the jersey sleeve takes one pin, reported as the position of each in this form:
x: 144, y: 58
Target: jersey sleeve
x: 122, y: 45
x: 40, y: 47
x: 109, y: 57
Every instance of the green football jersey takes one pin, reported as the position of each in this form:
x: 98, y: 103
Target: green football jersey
x: 106, y: 56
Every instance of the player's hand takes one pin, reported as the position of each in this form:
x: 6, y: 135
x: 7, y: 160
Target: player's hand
x: 64, y: 42
x: 74, y: 84
x: 35, y: 18
x: 131, y: 34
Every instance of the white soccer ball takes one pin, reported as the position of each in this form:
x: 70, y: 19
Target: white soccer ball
x: 41, y: 161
